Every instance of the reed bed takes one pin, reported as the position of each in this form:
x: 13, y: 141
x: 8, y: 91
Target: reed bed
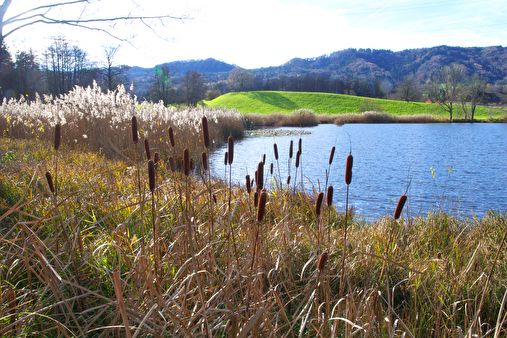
x: 131, y: 248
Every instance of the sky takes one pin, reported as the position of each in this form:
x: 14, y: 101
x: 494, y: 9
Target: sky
x: 263, y: 33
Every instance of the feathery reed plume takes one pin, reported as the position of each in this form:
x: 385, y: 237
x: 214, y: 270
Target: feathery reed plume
x: 298, y: 154
x: 264, y: 159
x: 49, y: 178
x: 226, y: 158
x: 186, y: 162
x: 271, y: 168
x: 318, y: 204
x: 260, y: 176
x: 348, y: 169
x: 171, y: 136
x: 399, y: 206
x: 156, y: 159
x: 322, y: 261
x: 204, y: 159
x: 230, y: 143
x: 275, y: 147
x: 288, y: 180
x: 147, y: 149
x: 135, y: 135
x: 262, y: 206
x: 329, y: 196
x: 331, y: 156
x: 151, y: 175
x: 290, y: 148
x: 256, y: 199
x: 248, y: 185
x: 172, y: 164
x: 205, y: 132
x: 57, y: 136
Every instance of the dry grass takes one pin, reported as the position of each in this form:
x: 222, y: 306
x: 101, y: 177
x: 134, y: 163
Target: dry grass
x: 379, y: 117
x: 194, y: 257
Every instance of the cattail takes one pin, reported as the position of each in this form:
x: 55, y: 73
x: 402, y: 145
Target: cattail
x: 171, y: 136
x: 256, y: 199
x: 226, y: 158
x: 248, y: 185
x: 261, y: 210
x: 205, y: 132
x: 288, y: 180
x: 156, y: 158
x: 260, y: 176
x: 151, y: 174
x: 271, y: 168
x: 348, y: 169
x: 135, y: 135
x: 300, y: 143
x: 172, y: 164
x: 57, y: 136
x: 264, y: 159
x: 329, y: 196
x: 204, y: 159
x: 290, y: 149
x: 214, y: 198
x: 331, y: 156
x: 298, y: 154
x: 399, y: 206
x: 318, y: 204
x: 322, y: 261
x: 147, y: 149
x: 186, y: 162
x: 275, y: 147
x: 230, y: 142
x: 49, y: 178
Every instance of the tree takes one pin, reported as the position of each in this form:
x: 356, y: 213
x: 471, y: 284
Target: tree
x: 240, y: 78
x: 28, y: 74
x: 193, y: 87
x: 445, y: 86
x: 111, y: 73
x: 161, y: 88
x: 6, y: 73
x: 407, y: 90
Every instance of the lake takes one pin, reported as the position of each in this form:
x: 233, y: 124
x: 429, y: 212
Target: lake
x: 459, y: 168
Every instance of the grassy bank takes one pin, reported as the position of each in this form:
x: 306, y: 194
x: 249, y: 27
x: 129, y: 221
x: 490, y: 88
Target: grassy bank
x: 323, y: 103
x: 114, y: 249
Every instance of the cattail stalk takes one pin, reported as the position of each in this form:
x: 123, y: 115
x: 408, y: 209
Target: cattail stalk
x: 399, y: 206
x: 248, y: 184
x: 171, y: 137
x: 260, y: 176
x: 49, y: 179
x: 322, y: 261
x: 135, y: 134
x: 318, y: 204
x: 147, y: 149
x: 205, y: 132
x: 204, y: 160
x: 261, y: 210
x: 329, y: 196
x: 57, y: 136
x: 230, y: 143
x: 172, y: 164
x: 151, y: 175
x: 186, y: 162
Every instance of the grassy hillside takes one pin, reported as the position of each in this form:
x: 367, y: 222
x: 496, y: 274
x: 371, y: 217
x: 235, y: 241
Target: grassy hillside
x: 265, y: 102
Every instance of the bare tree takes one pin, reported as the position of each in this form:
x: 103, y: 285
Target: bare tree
x: 240, y: 78
x: 111, y: 73
x: 407, y: 90
x: 193, y: 87
x: 161, y: 87
x: 48, y: 14
x: 445, y: 86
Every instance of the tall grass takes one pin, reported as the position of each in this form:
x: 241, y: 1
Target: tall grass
x: 216, y: 261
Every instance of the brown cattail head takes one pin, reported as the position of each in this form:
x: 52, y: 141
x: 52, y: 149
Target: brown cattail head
x: 171, y: 136
x: 256, y: 199
x: 204, y: 159
x: 248, y: 184
x: 298, y: 154
x: 271, y: 168
x: 135, y: 135
x: 172, y: 164
x: 226, y: 158
x: 318, y: 204
x: 323, y: 260
x: 151, y: 174
x: 230, y: 142
x: 300, y: 143
x: 331, y: 156
x: 399, y: 206
x: 156, y: 158
x: 260, y: 176
x: 290, y: 148
x: 205, y: 132
x: 147, y: 149
x: 329, y: 196
x: 264, y: 159
x: 288, y: 180
x: 275, y: 147
x: 49, y: 178
x: 214, y: 198
x: 57, y: 136
x: 186, y: 162
x: 348, y: 169
x: 261, y: 210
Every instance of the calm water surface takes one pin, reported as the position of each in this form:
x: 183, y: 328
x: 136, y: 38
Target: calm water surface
x: 460, y: 168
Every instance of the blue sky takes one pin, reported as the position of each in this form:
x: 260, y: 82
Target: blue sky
x: 264, y: 33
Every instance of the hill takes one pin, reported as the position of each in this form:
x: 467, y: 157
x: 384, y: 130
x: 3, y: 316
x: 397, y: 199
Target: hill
x: 324, y: 103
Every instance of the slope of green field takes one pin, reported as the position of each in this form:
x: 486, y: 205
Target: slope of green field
x: 265, y: 102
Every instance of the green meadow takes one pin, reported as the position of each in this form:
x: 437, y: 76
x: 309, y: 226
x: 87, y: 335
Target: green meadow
x: 266, y: 102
